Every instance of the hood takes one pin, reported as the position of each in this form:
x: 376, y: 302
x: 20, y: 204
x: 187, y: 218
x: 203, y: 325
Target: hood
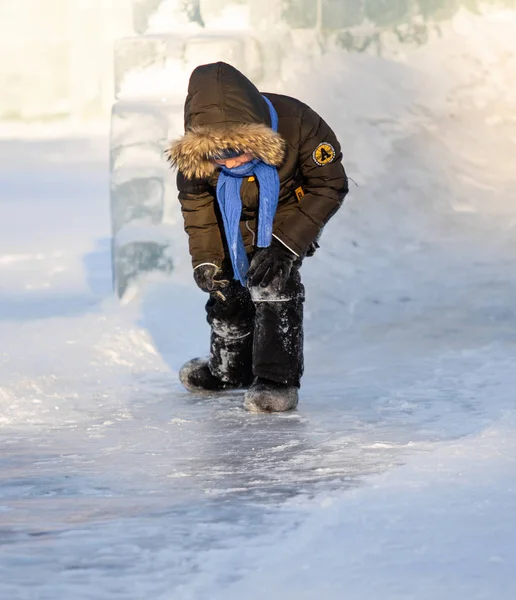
x: 223, y: 109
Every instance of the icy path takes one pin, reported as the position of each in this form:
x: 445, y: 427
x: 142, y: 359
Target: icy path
x: 395, y: 479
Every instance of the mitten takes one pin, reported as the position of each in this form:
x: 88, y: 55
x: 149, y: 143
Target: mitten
x: 207, y: 275
x: 274, y: 262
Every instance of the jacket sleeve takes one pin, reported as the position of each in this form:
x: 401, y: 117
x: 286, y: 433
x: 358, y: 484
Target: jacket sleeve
x: 200, y: 221
x: 325, y: 185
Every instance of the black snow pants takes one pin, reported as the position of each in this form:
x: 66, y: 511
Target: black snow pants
x: 258, y: 332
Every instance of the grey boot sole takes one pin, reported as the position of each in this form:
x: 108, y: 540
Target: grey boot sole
x: 267, y: 401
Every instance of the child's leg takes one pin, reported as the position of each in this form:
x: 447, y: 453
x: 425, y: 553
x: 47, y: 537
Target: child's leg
x: 278, y: 332
x: 231, y: 343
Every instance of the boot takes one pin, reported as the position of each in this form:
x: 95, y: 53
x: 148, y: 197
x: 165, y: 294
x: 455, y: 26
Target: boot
x: 268, y: 396
x: 196, y: 376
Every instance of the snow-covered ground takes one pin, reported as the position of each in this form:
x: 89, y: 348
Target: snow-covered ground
x: 395, y: 479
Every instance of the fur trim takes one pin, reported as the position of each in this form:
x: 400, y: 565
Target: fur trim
x: 191, y: 153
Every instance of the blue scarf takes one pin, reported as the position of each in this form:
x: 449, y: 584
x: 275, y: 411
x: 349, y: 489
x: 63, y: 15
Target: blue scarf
x: 230, y: 203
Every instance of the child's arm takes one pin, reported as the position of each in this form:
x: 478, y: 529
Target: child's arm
x: 325, y: 185
x: 200, y: 220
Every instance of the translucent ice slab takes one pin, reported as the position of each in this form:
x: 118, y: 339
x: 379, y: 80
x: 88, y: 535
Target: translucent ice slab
x: 140, y: 213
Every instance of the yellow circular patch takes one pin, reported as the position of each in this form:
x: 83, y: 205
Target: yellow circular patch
x: 324, y: 154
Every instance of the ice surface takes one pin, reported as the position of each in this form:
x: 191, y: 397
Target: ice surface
x: 394, y: 479
x: 422, y: 536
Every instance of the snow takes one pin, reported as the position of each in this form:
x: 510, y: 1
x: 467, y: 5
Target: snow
x: 395, y: 478
x: 430, y: 529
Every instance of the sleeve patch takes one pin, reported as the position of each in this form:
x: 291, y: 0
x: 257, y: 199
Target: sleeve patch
x: 324, y: 154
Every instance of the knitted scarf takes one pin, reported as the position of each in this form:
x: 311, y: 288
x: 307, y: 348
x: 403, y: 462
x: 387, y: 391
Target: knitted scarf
x: 230, y: 203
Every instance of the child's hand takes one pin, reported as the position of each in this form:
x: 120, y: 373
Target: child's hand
x: 274, y: 262
x: 206, y: 277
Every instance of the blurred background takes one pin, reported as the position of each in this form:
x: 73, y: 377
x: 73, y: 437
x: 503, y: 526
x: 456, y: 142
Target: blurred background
x: 71, y: 57
x: 125, y: 64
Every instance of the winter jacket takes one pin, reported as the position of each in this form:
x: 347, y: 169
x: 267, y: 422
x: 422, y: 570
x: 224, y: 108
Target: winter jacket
x: 224, y: 109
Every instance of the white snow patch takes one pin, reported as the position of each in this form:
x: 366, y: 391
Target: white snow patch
x: 434, y: 528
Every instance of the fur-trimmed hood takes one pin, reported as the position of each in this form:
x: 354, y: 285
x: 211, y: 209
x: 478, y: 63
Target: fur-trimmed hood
x: 193, y: 152
x: 223, y: 110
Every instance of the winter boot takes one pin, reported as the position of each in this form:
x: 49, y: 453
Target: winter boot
x: 268, y: 396
x: 196, y: 376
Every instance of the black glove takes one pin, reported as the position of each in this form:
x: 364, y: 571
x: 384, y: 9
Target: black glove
x: 207, y: 278
x: 269, y: 263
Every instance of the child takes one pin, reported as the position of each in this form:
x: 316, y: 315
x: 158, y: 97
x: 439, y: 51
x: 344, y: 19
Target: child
x: 259, y: 175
